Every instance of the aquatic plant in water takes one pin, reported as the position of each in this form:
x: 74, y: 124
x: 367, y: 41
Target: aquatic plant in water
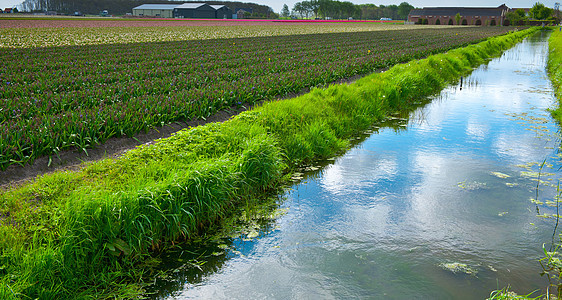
x: 457, y: 267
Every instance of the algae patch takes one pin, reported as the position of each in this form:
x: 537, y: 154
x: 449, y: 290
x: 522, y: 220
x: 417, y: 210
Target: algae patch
x: 457, y: 267
x: 471, y: 186
x: 500, y: 175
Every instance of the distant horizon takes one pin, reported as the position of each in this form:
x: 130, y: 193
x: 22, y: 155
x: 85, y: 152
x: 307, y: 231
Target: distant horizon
x: 277, y: 5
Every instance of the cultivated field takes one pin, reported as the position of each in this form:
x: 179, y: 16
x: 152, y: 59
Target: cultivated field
x: 61, y: 97
x: 24, y: 33
x: 96, y: 232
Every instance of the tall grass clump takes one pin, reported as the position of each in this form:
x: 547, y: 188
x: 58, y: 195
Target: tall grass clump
x: 555, y: 69
x: 92, y: 233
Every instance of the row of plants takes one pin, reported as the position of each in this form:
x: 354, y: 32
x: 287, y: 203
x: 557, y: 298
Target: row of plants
x: 59, y: 98
x: 92, y: 233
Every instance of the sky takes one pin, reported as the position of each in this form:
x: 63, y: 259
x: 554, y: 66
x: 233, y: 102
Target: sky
x: 278, y: 4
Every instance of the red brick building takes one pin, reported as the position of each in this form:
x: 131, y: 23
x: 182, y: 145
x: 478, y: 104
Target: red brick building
x: 480, y: 16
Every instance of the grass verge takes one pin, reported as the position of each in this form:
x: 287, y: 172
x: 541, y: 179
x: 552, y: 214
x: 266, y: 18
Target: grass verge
x: 555, y: 69
x: 90, y: 234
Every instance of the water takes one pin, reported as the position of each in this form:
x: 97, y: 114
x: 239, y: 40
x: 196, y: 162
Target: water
x: 385, y: 219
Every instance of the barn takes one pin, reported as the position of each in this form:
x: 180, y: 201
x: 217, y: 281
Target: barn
x: 479, y: 16
x: 195, y: 11
x: 155, y: 10
x: 222, y: 12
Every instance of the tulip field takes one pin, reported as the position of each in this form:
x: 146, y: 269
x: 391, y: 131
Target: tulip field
x: 75, y: 97
x: 25, y: 33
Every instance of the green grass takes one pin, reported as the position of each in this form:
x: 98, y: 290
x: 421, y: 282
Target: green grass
x: 91, y: 233
x: 555, y: 69
x: 507, y: 294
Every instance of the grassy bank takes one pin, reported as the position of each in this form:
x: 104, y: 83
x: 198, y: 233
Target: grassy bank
x: 555, y: 69
x: 92, y: 232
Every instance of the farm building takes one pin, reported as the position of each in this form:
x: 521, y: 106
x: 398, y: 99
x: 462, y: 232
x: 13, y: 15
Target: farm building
x: 185, y: 10
x: 195, y: 10
x: 222, y: 12
x: 480, y: 16
x: 155, y: 10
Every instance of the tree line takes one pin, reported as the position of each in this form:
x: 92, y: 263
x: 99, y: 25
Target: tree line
x: 121, y: 7
x: 538, y: 12
x: 344, y: 9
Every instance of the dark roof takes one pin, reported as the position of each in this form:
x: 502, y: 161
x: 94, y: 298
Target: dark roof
x: 463, y: 11
x: 157, y: 6
x: 190, y: 5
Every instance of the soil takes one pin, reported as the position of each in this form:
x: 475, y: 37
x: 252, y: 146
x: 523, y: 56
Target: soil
x: 16, y: 175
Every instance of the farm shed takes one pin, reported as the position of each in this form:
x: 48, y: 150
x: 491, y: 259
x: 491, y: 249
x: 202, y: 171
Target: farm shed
x: 222, y: 12
x: 155, y: 10
x: 195, y: 10
x: 480, y: 16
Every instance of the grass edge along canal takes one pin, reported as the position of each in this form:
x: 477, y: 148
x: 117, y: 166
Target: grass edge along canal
x: 551, y: 262
x: 555, y: 69
x: 91, y: 233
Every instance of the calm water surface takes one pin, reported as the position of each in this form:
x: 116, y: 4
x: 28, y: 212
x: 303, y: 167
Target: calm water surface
x: 382, y: 220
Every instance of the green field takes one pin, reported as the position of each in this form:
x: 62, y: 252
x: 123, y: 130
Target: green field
x: 58, y: 98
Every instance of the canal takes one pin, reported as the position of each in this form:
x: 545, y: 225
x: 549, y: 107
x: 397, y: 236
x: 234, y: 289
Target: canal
x: 438, y: 203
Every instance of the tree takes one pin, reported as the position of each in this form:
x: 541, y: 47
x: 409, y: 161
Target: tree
x: 516, y: 17
x: 285, y: 11
x: 314, y: 7
x: 540, y: 12
x: 458, y: 18
x: 344, y: 9
x: 404, y: 10
x: 307, y: 8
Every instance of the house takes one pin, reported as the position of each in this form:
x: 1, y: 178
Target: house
x: 479, y: 16
x: 241, y: 12
x: 194, y: 11
x: 155, y: 10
